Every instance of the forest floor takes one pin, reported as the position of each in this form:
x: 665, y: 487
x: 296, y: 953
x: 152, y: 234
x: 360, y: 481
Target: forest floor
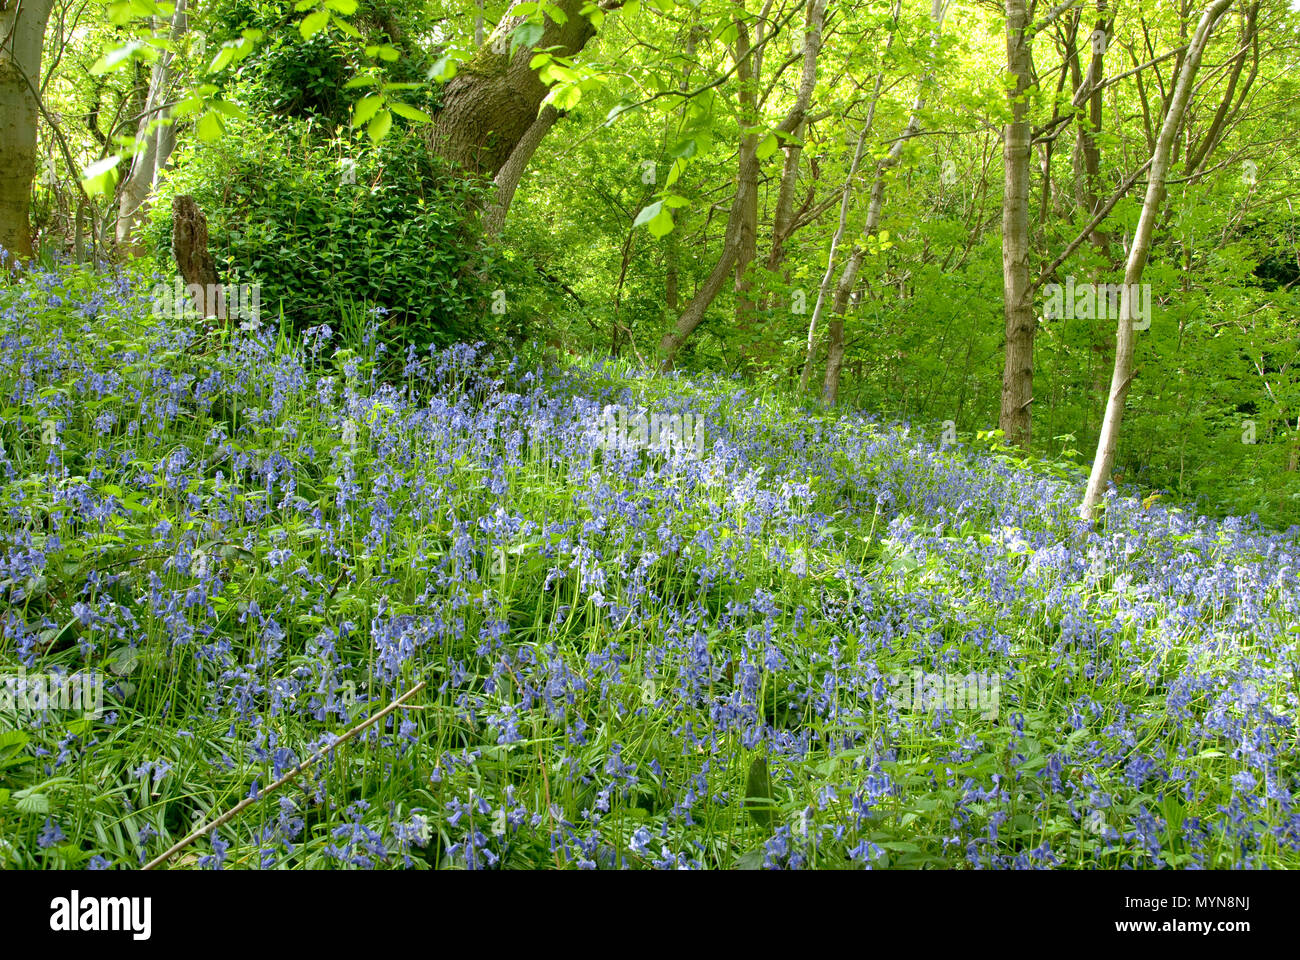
x: 660, y: 622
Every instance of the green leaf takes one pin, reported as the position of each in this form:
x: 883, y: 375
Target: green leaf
x: 753, y: 860
x: 229, y: 109
x: 566, y: 98
x: 442, y: 70
x: 222, y: 60
x: 26, y: 802
x: 525, y: 35
x: 648, y: 213
x: 11, y: 742
x: 210, y: 127
x: 380, y: 126
x: 100, y: 176
x: 686, y: 149
x: 313, y: 23
x: 661, y: 224
x: 768, y: 146
x: 758, y: 793
x: 116, y: 58
x: 409, y: 112
x: 365, y: 109
x: 346, y: 28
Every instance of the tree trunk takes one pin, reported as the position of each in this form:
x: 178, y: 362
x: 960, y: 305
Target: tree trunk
x: 844, y: 287
x: 1121, y: 378
x: 494, y: 99
x: 508, y: 177
x: 740, y: 240
x: 22, y: 37
x: 190, y: 248
x: 741, y: 221
x: 1018, y: 304
x: 159, y: 138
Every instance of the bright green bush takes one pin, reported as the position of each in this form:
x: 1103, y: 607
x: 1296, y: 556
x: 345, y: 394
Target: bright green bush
x: 322, y: 223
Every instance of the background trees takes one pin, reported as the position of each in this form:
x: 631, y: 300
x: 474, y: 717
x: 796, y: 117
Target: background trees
x: 830, y: 197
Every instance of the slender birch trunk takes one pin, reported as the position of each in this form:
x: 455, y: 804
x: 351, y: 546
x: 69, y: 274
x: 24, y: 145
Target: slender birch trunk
x: 1122, y: 377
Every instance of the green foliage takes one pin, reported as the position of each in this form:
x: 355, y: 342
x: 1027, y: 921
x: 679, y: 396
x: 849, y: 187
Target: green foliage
x: 284, y: 211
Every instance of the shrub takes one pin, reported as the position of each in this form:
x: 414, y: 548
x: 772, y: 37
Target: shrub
x: 324, y: 224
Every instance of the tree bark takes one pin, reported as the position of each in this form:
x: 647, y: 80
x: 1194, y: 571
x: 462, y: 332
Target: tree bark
x: 740, y: 240
x: 508, y: 177
x: 22, y: 38
x: 1017, y: 292
x: 848, y: 278
x: 159, y: 139
x: 741, y: 221
x: 495, y: 97
x: 1122, y: 377
x: 190, y: 248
